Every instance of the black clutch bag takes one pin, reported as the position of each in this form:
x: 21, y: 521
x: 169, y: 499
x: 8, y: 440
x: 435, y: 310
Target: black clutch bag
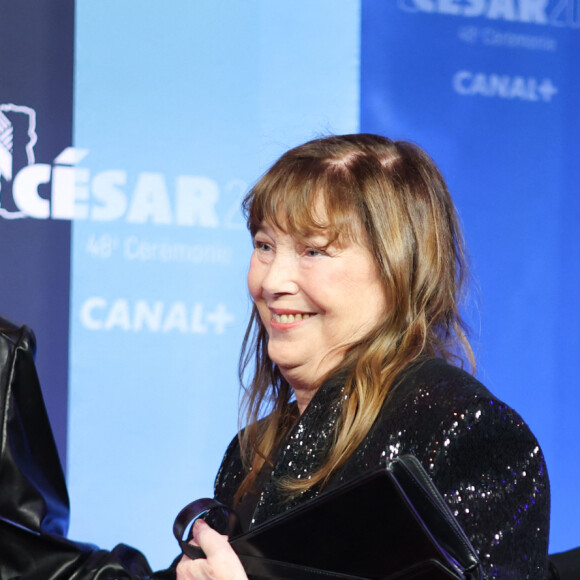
x: 390, y: 524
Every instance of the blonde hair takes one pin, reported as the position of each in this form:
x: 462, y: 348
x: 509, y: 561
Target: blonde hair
x: 400, y: 202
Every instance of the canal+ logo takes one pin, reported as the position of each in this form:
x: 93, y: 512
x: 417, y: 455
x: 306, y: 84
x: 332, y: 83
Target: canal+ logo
x: 59, y: 190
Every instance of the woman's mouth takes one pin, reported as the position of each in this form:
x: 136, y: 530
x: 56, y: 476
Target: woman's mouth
x: 288, y: 318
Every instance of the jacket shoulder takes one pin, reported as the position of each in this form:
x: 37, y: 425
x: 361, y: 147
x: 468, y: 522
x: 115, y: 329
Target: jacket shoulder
x: 12, y: 336
x: 434, y: 379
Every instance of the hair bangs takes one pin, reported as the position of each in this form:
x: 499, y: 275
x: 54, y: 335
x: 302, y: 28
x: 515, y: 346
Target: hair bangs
x: 305, y: 198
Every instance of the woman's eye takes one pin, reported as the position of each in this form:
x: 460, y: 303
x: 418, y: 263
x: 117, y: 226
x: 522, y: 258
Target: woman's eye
x: 263, y: 246
x: 315, y: 252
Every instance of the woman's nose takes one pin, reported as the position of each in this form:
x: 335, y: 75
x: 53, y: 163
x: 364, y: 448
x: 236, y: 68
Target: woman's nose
x: 280, y: 277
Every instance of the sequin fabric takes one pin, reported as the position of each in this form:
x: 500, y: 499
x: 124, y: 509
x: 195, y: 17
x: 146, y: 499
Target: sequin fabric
x: 479, y: 452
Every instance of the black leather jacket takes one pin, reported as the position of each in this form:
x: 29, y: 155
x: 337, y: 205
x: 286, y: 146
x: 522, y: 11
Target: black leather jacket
x: 34, y: 505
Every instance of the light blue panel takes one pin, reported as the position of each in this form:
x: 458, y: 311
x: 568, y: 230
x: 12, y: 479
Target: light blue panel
x: 181, y: 106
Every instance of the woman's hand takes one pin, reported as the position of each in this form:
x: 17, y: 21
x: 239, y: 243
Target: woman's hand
x: 221, y: 562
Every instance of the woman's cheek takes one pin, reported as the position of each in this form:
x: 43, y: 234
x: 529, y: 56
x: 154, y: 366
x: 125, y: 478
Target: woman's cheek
x: 254, y: 280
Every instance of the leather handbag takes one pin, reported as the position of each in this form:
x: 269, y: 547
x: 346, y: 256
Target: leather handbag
x: 389, y: 524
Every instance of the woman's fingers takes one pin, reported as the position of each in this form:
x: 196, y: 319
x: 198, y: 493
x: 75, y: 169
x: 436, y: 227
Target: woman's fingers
x: 221, y: 562
x: 210, y: 541
x: 221, y: 557
x: 189, y: 569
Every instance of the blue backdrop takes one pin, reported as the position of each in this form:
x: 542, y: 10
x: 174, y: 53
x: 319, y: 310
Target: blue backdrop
x: 135, y: 234
x: 491, y: 89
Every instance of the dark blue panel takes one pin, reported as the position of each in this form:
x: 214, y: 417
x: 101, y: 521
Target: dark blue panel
x: 491, y: 89
x: 36, y: 96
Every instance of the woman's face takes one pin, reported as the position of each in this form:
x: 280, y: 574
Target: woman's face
x: 314, y: 300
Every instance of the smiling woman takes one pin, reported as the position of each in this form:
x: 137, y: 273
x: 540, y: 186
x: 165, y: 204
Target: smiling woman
x: 356, y: 276
x: 384, y: 280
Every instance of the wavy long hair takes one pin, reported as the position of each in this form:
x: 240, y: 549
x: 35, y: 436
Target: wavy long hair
x: 393, y: 193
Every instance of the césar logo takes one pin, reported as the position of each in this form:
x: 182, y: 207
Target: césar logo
x: 61, y: 190
x: 546, y: 12
x: 18, y: 169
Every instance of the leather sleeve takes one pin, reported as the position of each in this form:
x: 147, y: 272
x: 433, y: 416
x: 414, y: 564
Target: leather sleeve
x: 34, y: 504
x: 34, y: 489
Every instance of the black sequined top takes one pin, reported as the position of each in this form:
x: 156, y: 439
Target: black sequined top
x: 480, y: 454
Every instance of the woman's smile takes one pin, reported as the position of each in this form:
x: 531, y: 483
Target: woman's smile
x: 286, y: 318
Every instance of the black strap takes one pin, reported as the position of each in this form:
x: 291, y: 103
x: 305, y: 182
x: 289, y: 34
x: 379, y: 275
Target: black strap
x: 256, y: 567
x: 219, y: 515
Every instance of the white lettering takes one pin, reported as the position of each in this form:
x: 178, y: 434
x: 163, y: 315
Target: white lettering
x: 87, y: 310
x: 448, y: 7
x: 220, y: 318
x: 479, y: 85
x: 82, y: 194
x: 474, y: 8
x: 196, y: 200
x: 143, y: 250
x: 105, y: 189
x: 66, y: 192
x: 460, y: 82
x: 534, y: 11
x: 547, y: 90
x: 150, y: 200
x: 25, y: 190
x: 68, y: 183
x: 176, y: 318
x: 498, y: 85
x: 493, y: 37
x: 234, y: 219
x: 424, y: 5
x: 119, y: 316
x: 559, y: 14
x: 98, y: 315
x: 149, y: 316
x: 502, y: 9
x: 71, y: 156
x: 5, y: 153
x: 102, y: 246
x: 511, y: 10
x: 467, y: 83
x: 137, y: 250
x: 523, y: 89
x: 197, y: 325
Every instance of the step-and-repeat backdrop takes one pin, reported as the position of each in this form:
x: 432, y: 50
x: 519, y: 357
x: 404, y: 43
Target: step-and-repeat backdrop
x: 129, y: 133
